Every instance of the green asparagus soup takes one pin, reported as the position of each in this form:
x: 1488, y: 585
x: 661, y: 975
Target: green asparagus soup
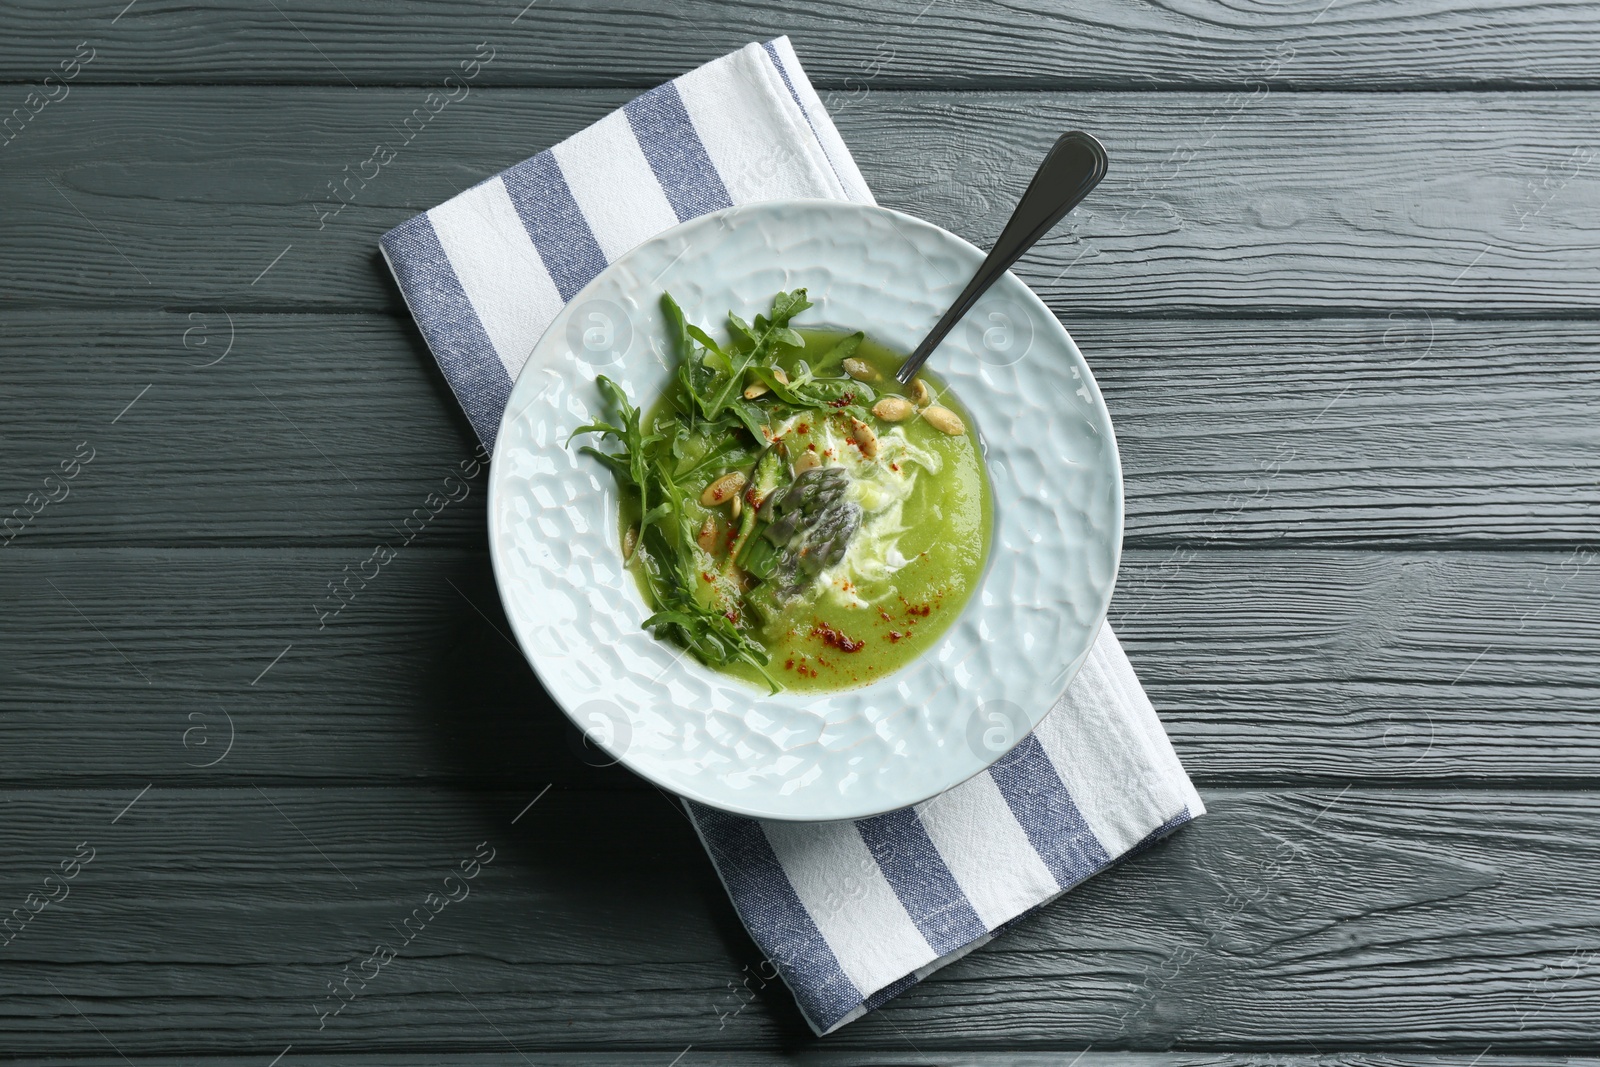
x: 793, y: 516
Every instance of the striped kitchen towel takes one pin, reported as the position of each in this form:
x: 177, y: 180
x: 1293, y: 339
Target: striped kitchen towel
x: 853, y: 913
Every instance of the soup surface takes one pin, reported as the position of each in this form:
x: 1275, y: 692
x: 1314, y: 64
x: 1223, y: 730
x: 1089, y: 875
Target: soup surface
x: 804, y: 521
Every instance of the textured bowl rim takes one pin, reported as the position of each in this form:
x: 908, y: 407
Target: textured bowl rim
x: 1024, y: 292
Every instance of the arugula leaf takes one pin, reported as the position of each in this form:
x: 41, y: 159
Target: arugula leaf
x: 678, y: 329
x: 661, y: 470
x: 753, y: 345
x: 635, y: 442
x: 617, y: 464
x: 782, y: 335
x: 646, y: 467
x: 720, y: 450
x: 786, y: 306
x: 845, y: 395
x: 751, y: 417
x: 833, y: 359
x: 743, y: 336
x: 722, y: 361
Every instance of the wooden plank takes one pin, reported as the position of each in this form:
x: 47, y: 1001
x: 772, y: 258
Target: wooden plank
x: 1282, y: 920
x: 820, y: 1055
x: 311, y: 428
x: 319, y: 429
x: 845, y: 44
x: 1403, y: 430
x: 1284, y: 666
x: 1469, y: 203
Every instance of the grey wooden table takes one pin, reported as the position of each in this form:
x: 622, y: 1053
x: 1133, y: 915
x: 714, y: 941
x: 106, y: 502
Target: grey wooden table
x: 1340, y: 288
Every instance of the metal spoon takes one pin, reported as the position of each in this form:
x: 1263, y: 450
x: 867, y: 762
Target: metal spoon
x: 1072, y: 167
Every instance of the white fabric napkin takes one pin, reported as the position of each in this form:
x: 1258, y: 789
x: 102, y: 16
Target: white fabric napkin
x: 851, y: 913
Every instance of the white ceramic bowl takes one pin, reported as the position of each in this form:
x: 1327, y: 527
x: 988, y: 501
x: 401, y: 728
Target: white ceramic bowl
x: 997, y: 670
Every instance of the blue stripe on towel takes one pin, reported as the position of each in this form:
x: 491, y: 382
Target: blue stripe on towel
x: 917, y: 873
x: 777, y: 61
x: 772, y: 53
x: 450, y: 324
x: 553, y: 219
x: 889, y: 992
x: 1055, y: 827
x: 673, y: 148
x: 1154, y: 836
x: 775, y: 917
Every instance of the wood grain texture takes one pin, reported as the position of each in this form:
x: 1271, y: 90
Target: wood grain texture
x: 1345, y: 325
x: 818, y: 1055
x: 1267, y: 666
x: 845, y: 44
x: 1461, y: 203
x: 331, y: 429
x: 1281, y: 921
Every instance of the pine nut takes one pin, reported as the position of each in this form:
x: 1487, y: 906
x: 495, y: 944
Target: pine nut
x: 893, y: 409
x: 944, y: 420
x: 724, y: 488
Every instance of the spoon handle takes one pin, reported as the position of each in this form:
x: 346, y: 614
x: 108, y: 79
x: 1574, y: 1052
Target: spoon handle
x: 1072, y: 167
